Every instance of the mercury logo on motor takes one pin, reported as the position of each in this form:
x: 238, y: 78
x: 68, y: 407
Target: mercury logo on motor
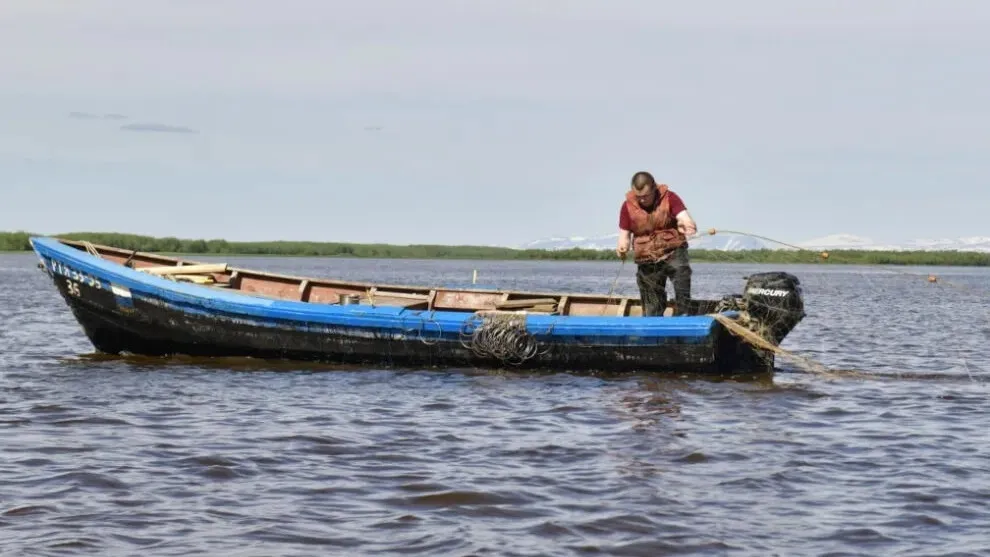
x: 768, y: 292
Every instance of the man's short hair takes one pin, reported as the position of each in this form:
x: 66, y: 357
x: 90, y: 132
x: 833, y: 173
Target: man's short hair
x: 642, y: 181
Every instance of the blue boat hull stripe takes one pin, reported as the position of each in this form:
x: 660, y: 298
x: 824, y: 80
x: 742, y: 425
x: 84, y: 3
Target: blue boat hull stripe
x: 128, y: 284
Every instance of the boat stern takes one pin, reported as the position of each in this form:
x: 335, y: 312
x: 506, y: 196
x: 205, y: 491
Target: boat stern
x: 774, y: 304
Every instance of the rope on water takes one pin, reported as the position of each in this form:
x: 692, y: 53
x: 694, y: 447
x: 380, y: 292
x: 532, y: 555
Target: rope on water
x: 753, y: 338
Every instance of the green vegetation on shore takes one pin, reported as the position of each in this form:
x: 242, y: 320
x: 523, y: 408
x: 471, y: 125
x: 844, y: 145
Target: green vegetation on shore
x: 18, y: 241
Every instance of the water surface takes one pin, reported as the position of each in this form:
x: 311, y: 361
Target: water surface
x: 129, y: 456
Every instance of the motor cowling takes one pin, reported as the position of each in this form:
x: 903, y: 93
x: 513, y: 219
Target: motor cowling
x: 774, y: 304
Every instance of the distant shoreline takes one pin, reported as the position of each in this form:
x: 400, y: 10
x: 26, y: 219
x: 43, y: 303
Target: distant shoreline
x: 18, y: 242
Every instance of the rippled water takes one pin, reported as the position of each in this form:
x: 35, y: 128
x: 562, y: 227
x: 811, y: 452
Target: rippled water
x: 138, y: 457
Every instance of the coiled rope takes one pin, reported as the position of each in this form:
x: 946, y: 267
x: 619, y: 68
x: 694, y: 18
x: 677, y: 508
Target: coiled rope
x: 499, y: 335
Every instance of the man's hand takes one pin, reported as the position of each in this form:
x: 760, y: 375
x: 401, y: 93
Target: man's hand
x: 686, y: 224
x: 623, y: 247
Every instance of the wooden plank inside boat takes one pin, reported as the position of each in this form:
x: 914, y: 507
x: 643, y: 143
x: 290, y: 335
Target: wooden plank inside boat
x: 523, y: 303
x: 464, y: 300
x: 284, y: 288
x: 187, y: 269
x: 197, y: 279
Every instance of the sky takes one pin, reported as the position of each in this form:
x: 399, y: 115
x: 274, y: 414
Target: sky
x: 492, y: 121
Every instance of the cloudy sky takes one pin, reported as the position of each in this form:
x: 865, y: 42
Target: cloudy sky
x: 492, y: 121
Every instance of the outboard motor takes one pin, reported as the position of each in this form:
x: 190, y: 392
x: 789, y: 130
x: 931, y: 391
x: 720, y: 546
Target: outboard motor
x: 774, y: 303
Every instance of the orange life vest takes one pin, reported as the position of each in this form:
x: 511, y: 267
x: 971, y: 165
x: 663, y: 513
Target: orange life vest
x: 655, y: 233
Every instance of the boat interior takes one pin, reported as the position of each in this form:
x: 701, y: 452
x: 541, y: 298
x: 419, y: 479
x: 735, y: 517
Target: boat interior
x: 327, y: 291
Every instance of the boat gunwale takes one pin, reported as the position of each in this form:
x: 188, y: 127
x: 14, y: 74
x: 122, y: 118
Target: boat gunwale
x: 647, y: 329
x: 80, y: 244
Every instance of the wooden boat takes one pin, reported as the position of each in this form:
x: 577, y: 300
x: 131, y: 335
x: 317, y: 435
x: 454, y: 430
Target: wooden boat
x: 149, y: 304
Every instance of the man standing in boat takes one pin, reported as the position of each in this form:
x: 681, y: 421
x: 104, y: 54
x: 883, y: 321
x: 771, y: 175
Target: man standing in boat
x: 657, y: 223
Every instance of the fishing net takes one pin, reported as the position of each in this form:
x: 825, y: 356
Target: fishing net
x: 878, y: 306
x: 768, y: 309
x: 499, y: 335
